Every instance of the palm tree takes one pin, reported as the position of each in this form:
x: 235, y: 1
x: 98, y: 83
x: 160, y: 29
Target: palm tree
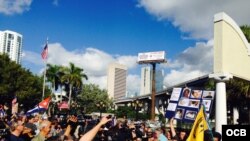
x: 73, y: 77
x: 53, y: 75
x: 238, y: 95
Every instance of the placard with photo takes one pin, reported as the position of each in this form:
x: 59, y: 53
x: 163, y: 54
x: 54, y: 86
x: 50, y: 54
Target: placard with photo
x: 175, y: 94
x: 193, y: 103
x: 207, y: 104
x: 172, y: 106
x: 179, y: 113
x: 208, y: 95
x: 186, y: 92
x: 196, y: 94
x: 190, y: 115
x: 183, y: 102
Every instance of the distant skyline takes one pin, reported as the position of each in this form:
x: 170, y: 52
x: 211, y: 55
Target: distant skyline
x: 93, y: 34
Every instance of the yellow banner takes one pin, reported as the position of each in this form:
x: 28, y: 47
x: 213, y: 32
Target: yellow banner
x: 199, y: 127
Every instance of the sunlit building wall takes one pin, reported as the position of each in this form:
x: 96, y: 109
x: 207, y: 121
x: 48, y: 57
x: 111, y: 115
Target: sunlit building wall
x: 117, y: 75
x: 11, y: 44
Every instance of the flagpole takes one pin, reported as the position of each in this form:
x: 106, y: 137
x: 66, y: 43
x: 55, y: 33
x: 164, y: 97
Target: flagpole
x: 44, y: 74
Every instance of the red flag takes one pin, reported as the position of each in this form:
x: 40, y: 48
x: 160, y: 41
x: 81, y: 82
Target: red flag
x: 45, y: 103
x: 45, y: 52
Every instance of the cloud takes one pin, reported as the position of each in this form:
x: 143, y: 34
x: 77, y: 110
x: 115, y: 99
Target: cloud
x: 129, y: 61
x: 94, y: 61
x: 195, y: 18
x: 133, y: 84
x: 10, y: 7
x: 32, y: 57
x: 191, y: 63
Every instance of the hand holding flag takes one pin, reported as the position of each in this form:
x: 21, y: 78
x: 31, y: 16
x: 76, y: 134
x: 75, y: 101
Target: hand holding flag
x: 42, y: 106
x: 199, y: 127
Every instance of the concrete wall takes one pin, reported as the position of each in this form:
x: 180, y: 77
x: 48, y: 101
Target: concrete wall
x: 231, y: 49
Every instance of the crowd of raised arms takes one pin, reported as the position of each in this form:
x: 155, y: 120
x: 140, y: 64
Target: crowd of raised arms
x: 41, y: 128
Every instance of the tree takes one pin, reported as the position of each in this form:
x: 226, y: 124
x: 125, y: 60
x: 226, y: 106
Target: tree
x: 73, y: 77
x: 246, y: 30
x: 52, y: 74
x: 20, y: 82
x: 238, y: 96
x: 91, y: 95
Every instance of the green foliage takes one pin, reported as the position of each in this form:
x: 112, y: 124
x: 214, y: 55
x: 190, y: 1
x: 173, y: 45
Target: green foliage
x: 246, y: 30
x: 126, y: 111
x: 90, y: 96
x: 15, y: 80
x: 238, y: 96
x: 210, y: 85
x: 162, y: 118
x: 53, y: 75
x: 73, y: 77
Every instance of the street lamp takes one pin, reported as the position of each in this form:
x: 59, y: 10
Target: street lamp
x: 112, y: 107
x: 137, y: 105
x: 100, y: 105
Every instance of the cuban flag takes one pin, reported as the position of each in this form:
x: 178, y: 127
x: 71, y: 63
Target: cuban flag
x: 42, y: 106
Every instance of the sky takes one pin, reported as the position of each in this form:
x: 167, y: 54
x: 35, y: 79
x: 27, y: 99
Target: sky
x: 94, y: 33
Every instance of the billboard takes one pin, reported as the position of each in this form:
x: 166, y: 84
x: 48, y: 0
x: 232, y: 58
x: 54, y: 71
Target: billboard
x: 184, y: 103
x: 148, y: 57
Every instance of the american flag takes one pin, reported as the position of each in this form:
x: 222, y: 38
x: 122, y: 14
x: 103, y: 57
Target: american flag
x: 14, y: 101
x: 45, y: 52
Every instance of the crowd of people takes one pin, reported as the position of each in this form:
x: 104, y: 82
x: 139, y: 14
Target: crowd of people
x: 40, y: 128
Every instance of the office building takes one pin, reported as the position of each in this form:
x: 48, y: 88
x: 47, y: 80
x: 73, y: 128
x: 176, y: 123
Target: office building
x: 146, y: 80
x: 11, y: 44
x: 117, y: 75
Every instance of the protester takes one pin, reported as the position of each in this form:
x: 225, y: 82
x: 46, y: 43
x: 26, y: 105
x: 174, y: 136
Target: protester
x: 91, y: 134
x: 16, y: 130
x: 159, y: 135
x: 44, y: 131
x: 217, y: 136
x: 182, y: 134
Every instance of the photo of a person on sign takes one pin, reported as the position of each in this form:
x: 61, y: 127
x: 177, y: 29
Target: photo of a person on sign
x: 196, y: 94
x: 186, y: 92
x: 179, y: 113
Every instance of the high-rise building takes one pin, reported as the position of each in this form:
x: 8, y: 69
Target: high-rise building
x: 146, y: 80
x: 11, y: 44
x: 159, y: 78
x: 117, y: 75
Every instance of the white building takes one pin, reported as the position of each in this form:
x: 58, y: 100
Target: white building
x: 117, y: 75
x: 146, y: 80
x: 11, y: 44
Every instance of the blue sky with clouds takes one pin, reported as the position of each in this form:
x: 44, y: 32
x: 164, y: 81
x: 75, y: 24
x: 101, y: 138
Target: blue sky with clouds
x: 94, y: 33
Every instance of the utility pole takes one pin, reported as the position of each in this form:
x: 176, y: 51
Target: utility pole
x: 152, y: 58
x: 153, y: 93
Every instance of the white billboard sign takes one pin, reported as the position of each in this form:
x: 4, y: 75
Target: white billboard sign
x: 151, y: 56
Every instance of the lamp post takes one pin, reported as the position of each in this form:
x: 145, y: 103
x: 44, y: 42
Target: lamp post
x: 100, y: 105
x: 112, y: 107
x: 137, y: 105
